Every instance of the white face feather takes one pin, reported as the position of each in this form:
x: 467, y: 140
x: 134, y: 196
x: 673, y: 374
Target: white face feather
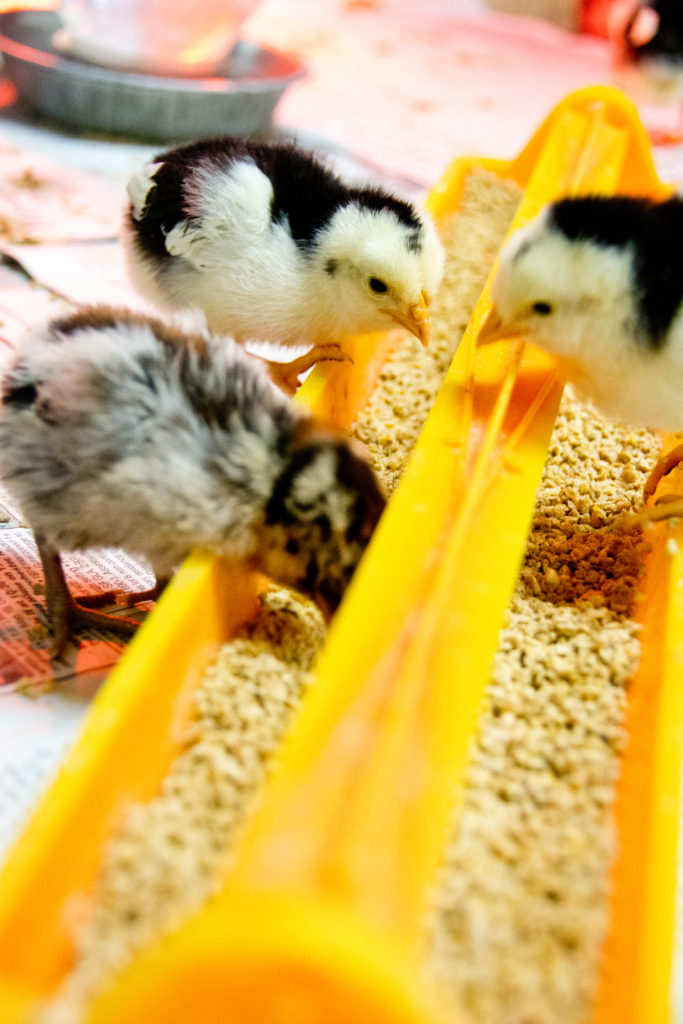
x: 576, y: 300
x: 316, y: 492
x: 573, y: 298
x: 138, y: 188
x: 377, y: 265
x: 376, y: 242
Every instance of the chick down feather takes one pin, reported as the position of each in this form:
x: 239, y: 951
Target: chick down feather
x: 598, y: 282
x: 274, y: 247
x: 119, y: 431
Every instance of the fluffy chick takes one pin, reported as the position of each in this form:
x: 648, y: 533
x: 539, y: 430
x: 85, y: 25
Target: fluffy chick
x: 648, y: 41
x: 272, y: 246
x: 119, y: 431
x: 598, y: 282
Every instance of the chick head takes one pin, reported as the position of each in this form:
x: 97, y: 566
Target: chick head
x: 571, y: 296
x: 379, y: 267
x: 320, y: 517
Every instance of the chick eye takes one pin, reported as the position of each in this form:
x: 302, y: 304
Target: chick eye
x: 544, y: 308
x: 377, y: 286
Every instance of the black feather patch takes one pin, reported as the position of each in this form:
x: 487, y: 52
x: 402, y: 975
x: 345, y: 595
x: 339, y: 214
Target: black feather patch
x: 654, y: 233
x: 22, y: 396
x: 378, y: 199
x: 306, y: 193
x: 607, y: 220
x: 413, y: 243
x: 358, y: 478
x: 163, y: 210
x: 278, y: 509
x: 331, y: 589
x: 667, y: 41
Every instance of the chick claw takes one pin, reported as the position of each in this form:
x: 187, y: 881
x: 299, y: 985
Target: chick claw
x: 286, y: 375
x: 121, y: 598
x: 74, y: 616
x: 65, y: 613
x: 668, y: 507
x: 662, y: 467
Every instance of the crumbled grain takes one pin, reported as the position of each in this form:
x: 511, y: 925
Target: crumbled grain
x: 521, y: 909
x: 519, y: 914
x: 170, y: 853
x: 166, y: 859
x: 391, y: 422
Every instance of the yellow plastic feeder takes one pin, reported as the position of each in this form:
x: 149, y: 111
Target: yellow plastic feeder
x: 321, y: 919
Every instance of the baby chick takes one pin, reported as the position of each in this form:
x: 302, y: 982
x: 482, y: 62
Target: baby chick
x: 272, y: 246
x: 598, y: 282
x: 648, y: 40
x: 119, y: 431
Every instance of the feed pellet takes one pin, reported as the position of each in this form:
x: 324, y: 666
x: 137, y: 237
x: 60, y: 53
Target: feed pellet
x: 519, y: 911
x: 521, y: 908
x: 169, y: 854
x: 390, y: 424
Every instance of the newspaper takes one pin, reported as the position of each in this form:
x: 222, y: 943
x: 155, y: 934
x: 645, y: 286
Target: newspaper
x: 58, y: 248
x: 25, y: 660
x: 42, y: 201
x: 37, y: 726
x: 57, y: 234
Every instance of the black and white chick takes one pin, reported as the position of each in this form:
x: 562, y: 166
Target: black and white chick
x: 647, y: 36
x: 598, y: 282
x: 117, y: 430
x: 272, y: 246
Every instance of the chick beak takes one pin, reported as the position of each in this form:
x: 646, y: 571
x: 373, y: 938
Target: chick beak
x: 494, y: 329
x: 415, y: 319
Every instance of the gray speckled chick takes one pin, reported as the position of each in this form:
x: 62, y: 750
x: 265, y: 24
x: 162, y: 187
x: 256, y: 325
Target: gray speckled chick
x: 117, y: 430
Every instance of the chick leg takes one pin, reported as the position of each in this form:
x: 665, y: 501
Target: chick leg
x: 662, y: 466
x: 286, y: 375
x: 63, y: 612
x: 670, y: 509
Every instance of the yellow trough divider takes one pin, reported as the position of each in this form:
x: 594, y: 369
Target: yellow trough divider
x: 321, y: 919
x: 132, y: 732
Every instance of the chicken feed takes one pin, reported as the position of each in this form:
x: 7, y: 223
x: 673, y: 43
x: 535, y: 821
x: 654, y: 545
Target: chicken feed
x: 519, y: 912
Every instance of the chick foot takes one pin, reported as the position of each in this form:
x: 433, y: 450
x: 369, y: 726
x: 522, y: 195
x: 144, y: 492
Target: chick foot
x: 64, y: 613
x: 122, y: 598
x: 663, y: 466
x: 668, y: 507
x: 286, y: 375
